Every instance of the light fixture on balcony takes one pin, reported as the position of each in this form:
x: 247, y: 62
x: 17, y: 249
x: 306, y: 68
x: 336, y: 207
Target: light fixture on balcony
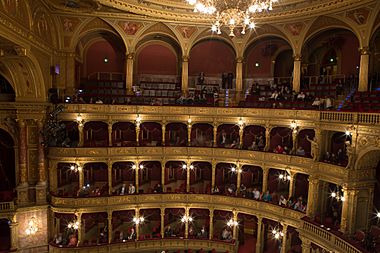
x: 79, y: 119
x: 235, y: 170
x: 233, y: 13
x: 184, y: 166
x: 138, y: 220
x: 189, y: 121
x: 31, y: 227
x: 284, y: 176
x: 73, y: 225
x: 294, y: 126
x: 186, y: 219
x: 75, y: 168
x: 277, y: 234
x: 232, y: 223
x: 338, y: 196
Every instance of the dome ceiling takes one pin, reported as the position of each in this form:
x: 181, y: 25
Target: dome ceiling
x: 179, y: 10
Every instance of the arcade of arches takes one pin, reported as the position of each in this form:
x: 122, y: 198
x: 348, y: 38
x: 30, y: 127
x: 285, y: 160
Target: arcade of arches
x: 128, y: 126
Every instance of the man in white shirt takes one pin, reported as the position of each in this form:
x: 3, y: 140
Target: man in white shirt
x: 256, y: 193
x: 131, y: 189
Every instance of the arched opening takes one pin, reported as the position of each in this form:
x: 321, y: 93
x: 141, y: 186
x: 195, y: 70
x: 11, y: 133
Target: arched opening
x: 100, y: 68
x: 329, y: 58
x: 175, y: 177
x: 95, y: 134
x: 151, y: 227
x: 124, y: 134
x: 268, y: 60
x: 157, y: 69
x: 95, y: 228
x: 172, y: 221
x: 95, y: 179
x: 176, y: 135
x: 200, y: 225
x: 200, y: 177
x: 254, y: 138
x: 201, y: 135
x: 7, y: 166
x: 123, y: 176
x: 68, y: 180
x: 251, y: 181
x: 215, y: 59
x: 149, y: 176
x: 228, y: 136
x: 281, y: 140
x: 150, y: 134
x: 5, y: 235
x: 221, y: 230
x: 122, y: 224
x: 226, y: 179
x: 7, y: 93
x: 374, y: 62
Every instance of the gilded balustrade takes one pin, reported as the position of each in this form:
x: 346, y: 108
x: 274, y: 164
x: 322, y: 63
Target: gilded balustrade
x: 297, y: 164
x: 326, y: 238
x: 151, y: 245
x: 147, y: 201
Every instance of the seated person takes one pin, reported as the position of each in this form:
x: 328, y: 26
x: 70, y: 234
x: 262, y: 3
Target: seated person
x: 327, y: 157
x: 96, y: 191
x: 215, y: 190
x: 98, y: 101
x: 282, y: 201
x: 256, y: 194
x: 168, y: 231
x: 254, y: 146
x: 243, y: 190
x: 301, y: 96
x: 226, y: 234
x: 279, y: 149
x: 274, y: 95
x: 157, y: 188
x: 132, y: 235
x: 58, y: 239
x: 316, y: 102
x: 131, y: 189
x: 123, y: 189
x: 300, y: 151
x: 203, y: 233
x: 231, y: 189
x: 267, y: 197
x: 73, y: 241
x: 234, y: 144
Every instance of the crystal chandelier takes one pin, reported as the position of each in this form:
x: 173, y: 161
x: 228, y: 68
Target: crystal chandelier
x: 232, y: 13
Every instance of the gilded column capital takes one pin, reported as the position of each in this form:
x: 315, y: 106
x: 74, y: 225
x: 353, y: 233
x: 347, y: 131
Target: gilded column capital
x: 297, y: 57
x: 185, y: 58
x: 239, y: 60
x: 130, y: 56
x: 364, y: 51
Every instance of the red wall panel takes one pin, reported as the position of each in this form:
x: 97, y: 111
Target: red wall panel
x: 156, y: 59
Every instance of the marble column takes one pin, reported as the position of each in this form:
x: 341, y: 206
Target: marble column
x: 22, y: 188
x: 81, y: 175
x: 110, y: 133
x: 312, y: 196
x: 235, y: 228
x: 110, y: 228
x: 259, y: 237
x: 238, y: 178
x: 163, y: 165
x: 265, y: 179
x: 185, y: 75
x: 81, y: 134
x: 109, y: 164
x: 215, y: 131
x: 349, y: 210
x: 137, y: 134
x: 284, y: 238
x: 292, y: 183
x: 306, y: 245
x: 241, y: 132
x: 137, y: 225
x: 363, y: 71
x: 14, y: 236
x: 80, y: 228
x: 297, y: 72
x: 211, y: 232
x: 163, y: 130
x: 189, y: 126
x: 188, y: 171
x: 129, y: 74
x: 41, y: 185
x: 187, y: 214
x: 162, y: 222
x: 239, y: 79
x: 137, y: 170
x: 213, y: 174
x: 295, y: 141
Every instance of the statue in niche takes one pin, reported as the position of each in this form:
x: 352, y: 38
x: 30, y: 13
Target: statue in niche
x: 314, y: 147
x: 350, y: 152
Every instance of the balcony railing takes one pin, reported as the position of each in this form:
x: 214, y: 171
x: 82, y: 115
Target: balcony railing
x: 326, y: 238
x: 7, y: 206
x: 254, y: 207
x: 152, y: 245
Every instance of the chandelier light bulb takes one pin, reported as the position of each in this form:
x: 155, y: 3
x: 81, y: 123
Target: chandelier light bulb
x: 72, y: 167
x: 184, y: 166
x: 333, y: 194
x: 134, y: 166
x: 288, y: 177
x: 281, y: 176
x: 141, y: 166
x: 191, y: 167
x: 378, y: 215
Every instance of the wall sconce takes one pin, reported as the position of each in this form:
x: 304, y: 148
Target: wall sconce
x: 284, y: 176
x: 32, y: 227
x: 338, y: 196
x: 232, y: 223
x: 189, y: 121
x: 277, y: 234
x: 106, y: 60
x: 73, y: 225
x: 184, y: 166
x: 186, y: 219
x: 75, y: 168
x: 234, y: 170
x: 138, y: 220
x: 134, y: 166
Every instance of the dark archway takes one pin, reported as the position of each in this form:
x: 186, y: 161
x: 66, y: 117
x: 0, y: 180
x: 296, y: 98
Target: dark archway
x: 5, y: 235
x: 7, y: 166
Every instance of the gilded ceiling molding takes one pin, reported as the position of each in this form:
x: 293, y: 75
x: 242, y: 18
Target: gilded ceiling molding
x: 174, y: 15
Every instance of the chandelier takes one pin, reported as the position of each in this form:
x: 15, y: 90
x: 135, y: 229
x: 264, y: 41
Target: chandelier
x: 232, y: 13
